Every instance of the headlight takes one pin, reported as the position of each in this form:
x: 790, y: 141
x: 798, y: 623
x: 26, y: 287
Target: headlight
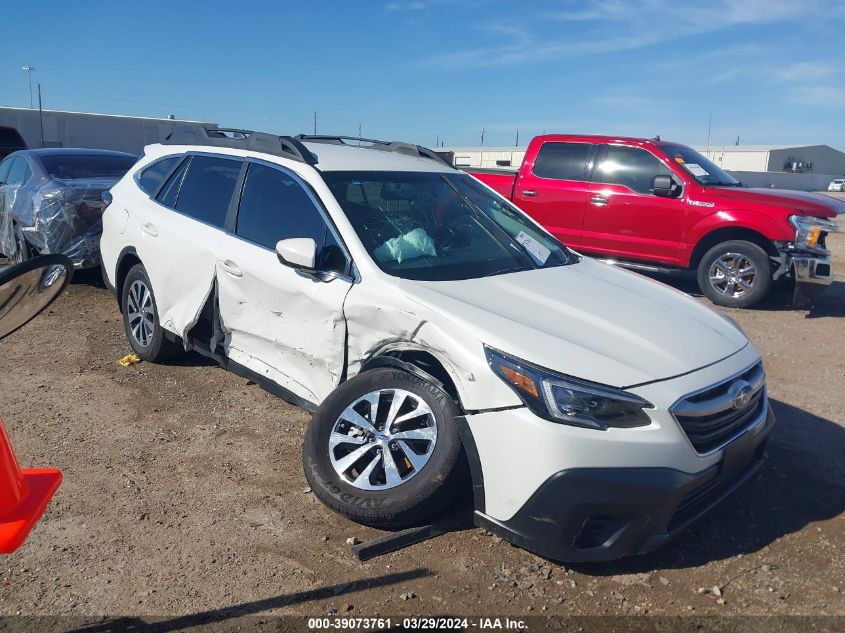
x: 808, y: 230
x: 569, y: 400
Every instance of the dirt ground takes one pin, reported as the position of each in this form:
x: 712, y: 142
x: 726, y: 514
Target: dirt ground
x: 184, y: 493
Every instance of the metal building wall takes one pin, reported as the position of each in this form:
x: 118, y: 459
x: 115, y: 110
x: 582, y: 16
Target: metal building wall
x: 97, y: 131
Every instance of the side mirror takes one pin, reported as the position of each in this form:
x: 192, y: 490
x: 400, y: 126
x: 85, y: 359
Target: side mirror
x: 29, y: 287
x: 298, y: 252
x: 663, y: 186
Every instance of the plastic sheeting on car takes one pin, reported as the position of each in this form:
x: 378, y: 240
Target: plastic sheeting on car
x: 54, y: 216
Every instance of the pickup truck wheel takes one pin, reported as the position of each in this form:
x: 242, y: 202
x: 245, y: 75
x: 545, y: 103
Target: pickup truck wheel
x: 736, y: 274
x: 140, y: 319
x: 383, y: 450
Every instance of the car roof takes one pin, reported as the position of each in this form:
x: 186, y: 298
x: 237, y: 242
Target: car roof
x: 332, y: 157
x: 72, y: 151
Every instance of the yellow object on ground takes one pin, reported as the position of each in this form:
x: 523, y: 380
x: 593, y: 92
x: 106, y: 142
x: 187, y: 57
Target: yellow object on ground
x: 129, y: 359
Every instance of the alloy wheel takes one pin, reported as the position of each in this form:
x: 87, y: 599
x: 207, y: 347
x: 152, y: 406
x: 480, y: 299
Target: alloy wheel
x: 141, y: 314
x: 383, y: 439
x: 732, y: 274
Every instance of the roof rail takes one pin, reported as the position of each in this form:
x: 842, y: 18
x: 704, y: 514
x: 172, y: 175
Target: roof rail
x: 409, y: 149
x: 284, y: 146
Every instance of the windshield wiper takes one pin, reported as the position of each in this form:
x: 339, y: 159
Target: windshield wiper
x: 504, y: 271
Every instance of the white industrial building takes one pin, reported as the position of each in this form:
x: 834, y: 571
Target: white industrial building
x: 57, y: 128
x: 809, y: 159
x: 804, y: 159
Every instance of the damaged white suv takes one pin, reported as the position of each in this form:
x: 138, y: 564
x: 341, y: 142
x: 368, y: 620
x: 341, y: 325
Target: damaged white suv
x: 444, y: 340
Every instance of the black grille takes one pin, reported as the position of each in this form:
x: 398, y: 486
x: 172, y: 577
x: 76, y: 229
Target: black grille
x: 722, y: 421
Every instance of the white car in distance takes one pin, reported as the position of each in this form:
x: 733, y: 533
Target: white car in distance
x: 444, y: 341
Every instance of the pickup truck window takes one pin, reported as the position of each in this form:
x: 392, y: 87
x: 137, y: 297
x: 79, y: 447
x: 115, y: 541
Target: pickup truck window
x: 440, y: 226
x: 705, y: 171
x: 631, y: 167
x: 562, y: 161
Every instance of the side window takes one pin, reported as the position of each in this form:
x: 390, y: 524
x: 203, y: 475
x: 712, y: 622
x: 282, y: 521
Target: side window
x: 562, y: 161
x: 19, y: 173
x: 274, y: 207
x: 5, y: 166
x: 629, y: 166
x: 170, y: 191
x: 151, y: 177
x: 207, y: 189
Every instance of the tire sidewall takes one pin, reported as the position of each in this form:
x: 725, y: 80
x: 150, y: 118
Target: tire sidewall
x: 762, y: 283
x: 414, y: 493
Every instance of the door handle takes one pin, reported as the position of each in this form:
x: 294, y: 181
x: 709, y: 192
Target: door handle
x: 231, y: 267
x: 529, y: 192
x: 599, y: 201
x: 149, y: 229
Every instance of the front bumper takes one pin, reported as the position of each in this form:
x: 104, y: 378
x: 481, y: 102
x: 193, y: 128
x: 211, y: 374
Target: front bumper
x: 602, y: 514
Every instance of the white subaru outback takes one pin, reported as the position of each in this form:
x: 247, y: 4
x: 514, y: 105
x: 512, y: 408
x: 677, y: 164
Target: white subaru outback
x: 444, y: 341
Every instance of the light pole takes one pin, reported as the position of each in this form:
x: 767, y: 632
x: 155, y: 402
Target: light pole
x: 28, y: 70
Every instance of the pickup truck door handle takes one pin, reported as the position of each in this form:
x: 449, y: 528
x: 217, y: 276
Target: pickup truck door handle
x: 598, y: 200
x: 231, y: 267
x: 529, y: 192
x: 149, y: 229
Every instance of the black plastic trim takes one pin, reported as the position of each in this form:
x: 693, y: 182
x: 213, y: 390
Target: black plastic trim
x: 284, y: 146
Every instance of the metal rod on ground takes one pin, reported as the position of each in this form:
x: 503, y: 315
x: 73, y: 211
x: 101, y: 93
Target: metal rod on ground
x: 411, y: 536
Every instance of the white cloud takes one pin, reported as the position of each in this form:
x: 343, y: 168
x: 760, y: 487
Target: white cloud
x: 609, y: 26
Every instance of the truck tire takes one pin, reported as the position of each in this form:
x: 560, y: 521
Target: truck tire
x: 383, y: 450
x: 736, y: 274
x: 140, y: 319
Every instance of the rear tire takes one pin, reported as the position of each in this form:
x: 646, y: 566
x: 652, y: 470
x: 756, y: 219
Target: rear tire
x: 398, y: 480
x: 736, y: 274
x: 140, y: 319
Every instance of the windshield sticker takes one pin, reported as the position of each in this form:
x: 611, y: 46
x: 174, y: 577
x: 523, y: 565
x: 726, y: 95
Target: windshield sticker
x: 696, y: 170
x: 679, y: 159
x: 534, y: 248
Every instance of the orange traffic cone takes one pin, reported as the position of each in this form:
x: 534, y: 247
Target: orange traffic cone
x: 24, y: 495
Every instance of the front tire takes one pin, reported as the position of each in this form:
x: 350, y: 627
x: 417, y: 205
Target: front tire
x: 140, y: 319
x: 736, y: 274
x: 383, y: 450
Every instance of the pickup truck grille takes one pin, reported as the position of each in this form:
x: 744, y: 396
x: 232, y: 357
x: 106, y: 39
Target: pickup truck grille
x: 713, y: 417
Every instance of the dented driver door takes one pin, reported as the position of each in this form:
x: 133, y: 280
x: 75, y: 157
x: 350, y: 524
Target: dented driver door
x: 286, y: 325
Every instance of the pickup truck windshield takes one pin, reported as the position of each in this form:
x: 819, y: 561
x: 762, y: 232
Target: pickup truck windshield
x: 705, y: 171
x: 441, y: 226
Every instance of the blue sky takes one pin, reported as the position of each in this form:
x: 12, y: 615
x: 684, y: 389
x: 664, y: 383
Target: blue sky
x: 769, y: 71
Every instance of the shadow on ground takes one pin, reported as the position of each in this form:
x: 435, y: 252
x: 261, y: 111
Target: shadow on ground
x: 805, y: 454
x: 216, y: 616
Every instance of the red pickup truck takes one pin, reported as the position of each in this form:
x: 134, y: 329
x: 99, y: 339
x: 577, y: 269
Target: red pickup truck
x: 654, y: 205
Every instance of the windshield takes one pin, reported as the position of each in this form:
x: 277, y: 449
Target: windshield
x: 73, y: 167
x: 441, y: 226
x: 705, y: 171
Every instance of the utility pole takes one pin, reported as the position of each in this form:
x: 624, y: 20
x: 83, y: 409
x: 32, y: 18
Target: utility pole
x: 40, y: 114
x: 709, y: 127
x: 28, y: 70
x: 359, y: 131
x: 517, y: 139
x: 315, y: 122
x: 482, y: 137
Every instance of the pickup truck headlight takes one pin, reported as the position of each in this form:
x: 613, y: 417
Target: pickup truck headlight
x: 808, y: 230
x: 569, y: 400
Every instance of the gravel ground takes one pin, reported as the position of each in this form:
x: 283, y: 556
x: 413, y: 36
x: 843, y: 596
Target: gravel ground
x: 184, y: 493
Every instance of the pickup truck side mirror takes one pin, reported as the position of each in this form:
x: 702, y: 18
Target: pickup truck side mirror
x: 664, y: 186
x: 298, y: 252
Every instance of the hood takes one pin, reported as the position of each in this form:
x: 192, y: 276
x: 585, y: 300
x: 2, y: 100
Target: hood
x: 813, y: 204
x: 588, y: 320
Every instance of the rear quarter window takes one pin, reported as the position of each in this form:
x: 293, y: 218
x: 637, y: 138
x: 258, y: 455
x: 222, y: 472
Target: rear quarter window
x: 151, y: 178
